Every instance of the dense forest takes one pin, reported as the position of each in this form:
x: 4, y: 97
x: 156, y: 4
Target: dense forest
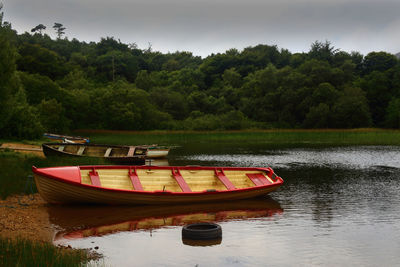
x: 58, y: 85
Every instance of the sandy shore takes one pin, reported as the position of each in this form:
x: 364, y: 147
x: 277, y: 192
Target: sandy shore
x: 25, y: 217
x: 23, y: 148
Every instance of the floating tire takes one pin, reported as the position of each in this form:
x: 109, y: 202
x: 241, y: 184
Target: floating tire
x: 202, y: 231
x: 201, y: 243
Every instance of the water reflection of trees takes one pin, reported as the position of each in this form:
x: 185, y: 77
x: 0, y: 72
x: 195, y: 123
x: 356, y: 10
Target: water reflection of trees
x: 327, y: 193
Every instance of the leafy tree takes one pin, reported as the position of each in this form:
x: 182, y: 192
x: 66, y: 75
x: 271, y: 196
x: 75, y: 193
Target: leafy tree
x: 39, y: 28
x: 109, y: 44
x: 379, y: 92
x: 171, y: 65
x: 234, y: 120
x: 325, y: 93
x: 59, y: 28
x: 317, y: 72
x: 351, y: 109
x: 76, y: 79
x: 143, y: 80
x: 116, y: 64
x: 170, y: 102
x: 232, y: 77
x: 78, y: 59
x: 40, y: 88
x: 122, y: 106
x: 258, y: 57
x: 297, y: 59
x: 318, y: 117
x: 37, y: 59
x: 200, y: 101
x: 7, y: 69
x: 113, y: 85
x: 52, y: 116
x: 24, y: 121
x: 190, y: 79
x: 349, y: 71
x: 322, y: 51
x: 214, y: 66
x: 378, y: 61
x: 392, y: 119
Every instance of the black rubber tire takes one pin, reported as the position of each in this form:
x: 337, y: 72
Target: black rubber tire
x: 202, y: 231
x: 201, y: 243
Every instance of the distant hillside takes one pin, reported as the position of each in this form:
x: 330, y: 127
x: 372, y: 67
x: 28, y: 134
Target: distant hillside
x: 398, y: 55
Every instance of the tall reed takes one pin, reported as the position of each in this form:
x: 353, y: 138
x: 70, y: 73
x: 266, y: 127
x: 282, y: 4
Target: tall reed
x: 28, y: 253
x: 330, y: 137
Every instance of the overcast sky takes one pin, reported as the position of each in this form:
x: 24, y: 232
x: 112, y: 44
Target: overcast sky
x: 211, y: 26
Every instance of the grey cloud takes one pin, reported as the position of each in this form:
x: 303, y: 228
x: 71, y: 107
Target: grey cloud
x: 204, y: 27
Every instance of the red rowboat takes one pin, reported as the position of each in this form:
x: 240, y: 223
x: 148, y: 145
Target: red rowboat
x: 152, y: 184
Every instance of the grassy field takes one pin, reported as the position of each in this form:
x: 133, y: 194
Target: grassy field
x: 274, y: 137
x: 284, y: 137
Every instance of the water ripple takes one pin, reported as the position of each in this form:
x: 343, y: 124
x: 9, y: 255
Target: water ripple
x: 342, y: 157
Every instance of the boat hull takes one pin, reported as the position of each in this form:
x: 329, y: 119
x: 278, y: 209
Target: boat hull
x: 156, y: 153
x: 71, y: 189
x: 99, y: 151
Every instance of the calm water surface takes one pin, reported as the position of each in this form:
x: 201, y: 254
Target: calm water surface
x: 337, y: 207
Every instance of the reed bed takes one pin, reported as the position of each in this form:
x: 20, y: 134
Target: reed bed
x: 16, y: 170
x: 28, y: 253
x: 299, y: 137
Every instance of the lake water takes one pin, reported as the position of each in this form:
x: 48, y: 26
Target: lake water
x: 338, y: 207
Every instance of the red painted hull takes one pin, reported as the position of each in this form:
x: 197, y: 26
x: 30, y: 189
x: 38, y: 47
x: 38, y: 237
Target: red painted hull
x: 152, y: 184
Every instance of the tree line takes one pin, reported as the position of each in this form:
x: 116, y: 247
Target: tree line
x: 60, y: 85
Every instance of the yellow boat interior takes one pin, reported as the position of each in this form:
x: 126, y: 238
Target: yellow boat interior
x: 177, y: 180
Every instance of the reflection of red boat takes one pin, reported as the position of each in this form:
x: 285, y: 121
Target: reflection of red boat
x: 86, y: 221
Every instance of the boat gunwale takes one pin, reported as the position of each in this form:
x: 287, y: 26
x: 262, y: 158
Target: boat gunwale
x: 69, y: 137
x: 277, y: 183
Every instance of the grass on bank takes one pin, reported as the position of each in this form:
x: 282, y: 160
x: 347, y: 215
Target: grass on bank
x: 16, y: 170
x: 29, y: 253
x: 276, y: 137
x: 321, y: 137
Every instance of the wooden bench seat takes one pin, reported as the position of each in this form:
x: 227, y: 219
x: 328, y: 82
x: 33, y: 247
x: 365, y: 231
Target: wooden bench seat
x: 108, y: 152
x: 131, y: 151
x: 94, y: 177
x: 137, y: 185
x: 258, y: 179
x: 182, y: 183
x: 222, y: 177
x: 80, y: 150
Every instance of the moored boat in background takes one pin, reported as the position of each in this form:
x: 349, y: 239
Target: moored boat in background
x: 156, y: 152
x: 114, y: 153
x: 152, y: 184
x: 67, y: 138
